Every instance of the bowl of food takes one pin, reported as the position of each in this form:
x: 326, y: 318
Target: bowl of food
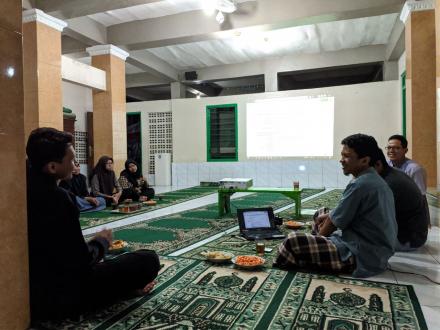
x: 248, y: 262
x: 217, y: 256
x: 291, y: 224
x: 117, y: 246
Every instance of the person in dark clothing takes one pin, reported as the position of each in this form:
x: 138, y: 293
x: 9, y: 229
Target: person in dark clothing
x: 103, y: 181
x: 412, y: 219
x: 67, y: 276
x: 77, y: 185
x: 133, y: 184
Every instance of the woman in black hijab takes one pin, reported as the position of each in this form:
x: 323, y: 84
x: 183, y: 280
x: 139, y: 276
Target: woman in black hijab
x: 133, y: 184
x: 103, y: 181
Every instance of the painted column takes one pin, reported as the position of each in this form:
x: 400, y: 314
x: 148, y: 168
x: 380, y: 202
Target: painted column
x: 42, y: 70
x: 419, y: 19
x: 437, y: 65
x: 14, y: 278
x: 178, y: 90
x: 109, y: 107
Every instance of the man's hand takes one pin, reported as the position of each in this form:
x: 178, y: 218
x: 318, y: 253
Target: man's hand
x: 106, y: 234
x: 115, y: 199
x: 92, y: 200
x: 326, y: 228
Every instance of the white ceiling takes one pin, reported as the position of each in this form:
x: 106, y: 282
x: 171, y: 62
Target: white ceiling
x: 310, y: 39
x: 150, y: 10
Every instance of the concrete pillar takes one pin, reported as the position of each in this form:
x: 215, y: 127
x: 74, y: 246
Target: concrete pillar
x: 14, y: 278
x: 178, y: 90
x: 437, y: 64
x: 42, y: 70
x: 270, y: 77
x: 109, y: 107
x: 419, y: 19
x: 390, y: 70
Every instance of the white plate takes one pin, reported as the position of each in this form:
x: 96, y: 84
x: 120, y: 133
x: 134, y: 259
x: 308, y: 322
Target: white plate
x: 263, y: 261
x: 219, y: 260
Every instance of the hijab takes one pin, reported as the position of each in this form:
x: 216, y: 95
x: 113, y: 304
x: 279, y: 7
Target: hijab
x: 106, y: 178
x: 132, y: 177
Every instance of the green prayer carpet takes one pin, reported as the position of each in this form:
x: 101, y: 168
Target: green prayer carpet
x: 92, y: 219
x: 176, y: 231
x: 194, y: 294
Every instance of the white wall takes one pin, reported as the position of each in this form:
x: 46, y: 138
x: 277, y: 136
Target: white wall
x: 79, y: 100
x: 372, y: 108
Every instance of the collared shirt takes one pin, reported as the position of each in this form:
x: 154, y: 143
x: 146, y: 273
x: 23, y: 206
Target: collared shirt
x: 366, y: 219
x: 414, y: 171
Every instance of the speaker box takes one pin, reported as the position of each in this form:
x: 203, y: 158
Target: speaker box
x: 191, y: 75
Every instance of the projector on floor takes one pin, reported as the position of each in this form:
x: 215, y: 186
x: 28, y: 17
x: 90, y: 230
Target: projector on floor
x: 235, y: 183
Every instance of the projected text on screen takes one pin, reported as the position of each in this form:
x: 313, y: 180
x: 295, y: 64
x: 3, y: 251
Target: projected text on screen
x: 290, y: 127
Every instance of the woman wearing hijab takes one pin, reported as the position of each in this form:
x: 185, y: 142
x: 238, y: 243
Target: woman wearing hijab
x: 133, y: 184
x: 103, y: 181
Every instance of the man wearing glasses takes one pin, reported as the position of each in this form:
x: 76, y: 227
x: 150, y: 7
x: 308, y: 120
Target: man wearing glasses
x: 396, y: 151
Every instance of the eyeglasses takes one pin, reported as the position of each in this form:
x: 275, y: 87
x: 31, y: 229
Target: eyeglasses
x: 109, y: 163
x: 392, y: 148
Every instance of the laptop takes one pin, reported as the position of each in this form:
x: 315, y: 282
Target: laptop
x: 258, y: 223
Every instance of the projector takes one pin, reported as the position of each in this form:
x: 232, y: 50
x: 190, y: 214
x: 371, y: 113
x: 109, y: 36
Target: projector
x: 235, y: 183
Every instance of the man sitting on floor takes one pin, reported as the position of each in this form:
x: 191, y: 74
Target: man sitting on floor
x: 66, y: 275
x: 412, y: 219
x: 364, y: 216
x: 77, y: 185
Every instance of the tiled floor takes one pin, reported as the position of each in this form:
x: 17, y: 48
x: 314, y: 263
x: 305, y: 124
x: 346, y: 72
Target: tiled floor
x: 425, y: 260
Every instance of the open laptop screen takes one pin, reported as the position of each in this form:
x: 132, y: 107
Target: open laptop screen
x: 256, y: 219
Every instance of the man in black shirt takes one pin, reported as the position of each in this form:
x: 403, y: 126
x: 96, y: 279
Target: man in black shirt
x: 66, y: 275
x: 77, y: 185
x: 412, y: 219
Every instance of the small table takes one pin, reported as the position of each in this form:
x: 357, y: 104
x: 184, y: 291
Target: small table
x: 224, y: 197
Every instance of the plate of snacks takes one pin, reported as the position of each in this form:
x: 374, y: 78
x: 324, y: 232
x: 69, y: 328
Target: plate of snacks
x: 117, y: 246
x: 217, y: 256
x: 291, y: 224
x: 248, y: 262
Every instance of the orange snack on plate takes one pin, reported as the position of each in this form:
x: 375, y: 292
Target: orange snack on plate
x: 248, y: 260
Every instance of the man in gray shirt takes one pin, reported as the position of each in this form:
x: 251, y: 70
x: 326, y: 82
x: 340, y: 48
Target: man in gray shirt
x: 360, y: 233
x: 396, y: 150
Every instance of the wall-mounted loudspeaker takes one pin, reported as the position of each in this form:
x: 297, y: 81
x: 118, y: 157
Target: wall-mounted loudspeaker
x: 191, y: 75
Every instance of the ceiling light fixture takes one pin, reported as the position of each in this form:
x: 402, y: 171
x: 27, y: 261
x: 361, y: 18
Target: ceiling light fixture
x: 220, y: 18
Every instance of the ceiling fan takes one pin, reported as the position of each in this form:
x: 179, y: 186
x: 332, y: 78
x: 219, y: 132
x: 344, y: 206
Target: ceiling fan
x: 224, y: 7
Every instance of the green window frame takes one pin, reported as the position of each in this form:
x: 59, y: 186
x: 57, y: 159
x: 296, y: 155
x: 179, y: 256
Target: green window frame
x: 403, y: 76
x: 141, y: 140
x: 221, y: 132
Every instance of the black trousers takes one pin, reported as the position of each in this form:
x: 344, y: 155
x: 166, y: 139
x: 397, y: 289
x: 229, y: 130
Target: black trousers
x: 119, y: 278
x: 107, y: 283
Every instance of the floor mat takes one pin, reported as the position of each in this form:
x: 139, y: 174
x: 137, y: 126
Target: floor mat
x: 173, y: 232
x: 193, y: 294
x: 92, y: 219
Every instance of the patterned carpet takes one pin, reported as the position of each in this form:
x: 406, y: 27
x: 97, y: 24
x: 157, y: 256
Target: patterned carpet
x: 176, y: 231
x: 193, y: 294
x: 92, y: 219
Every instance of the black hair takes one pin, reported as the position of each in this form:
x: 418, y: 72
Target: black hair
x: 401, y: 138
x: 364, y: 145
x: 47, y: 145
x: 381, y: 157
